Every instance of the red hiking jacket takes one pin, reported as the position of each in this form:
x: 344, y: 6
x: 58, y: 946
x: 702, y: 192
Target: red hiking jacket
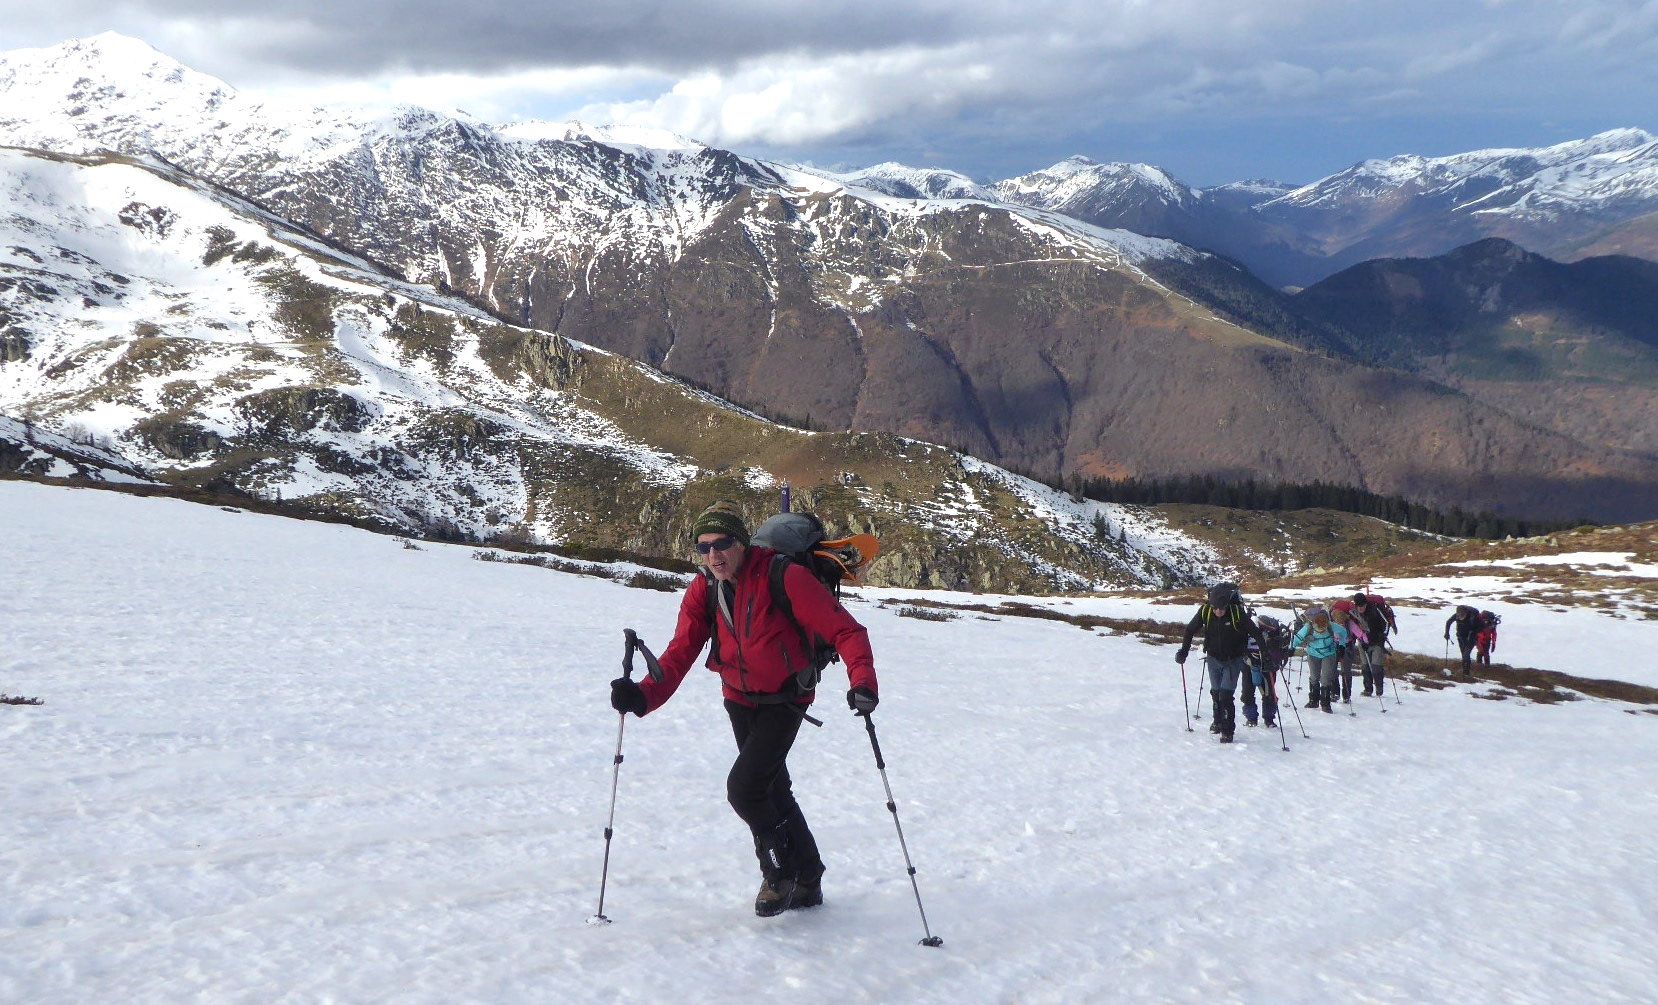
x: 765, y: 652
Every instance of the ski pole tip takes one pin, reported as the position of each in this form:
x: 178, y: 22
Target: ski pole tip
x: 598, y: 919
x: 934, y: 941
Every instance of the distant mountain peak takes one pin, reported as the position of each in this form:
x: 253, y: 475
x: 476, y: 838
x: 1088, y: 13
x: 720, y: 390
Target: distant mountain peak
x: 108, y: 55
x: 906, y: 182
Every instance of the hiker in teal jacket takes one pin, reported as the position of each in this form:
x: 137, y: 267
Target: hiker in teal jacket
x: 1324, y: 642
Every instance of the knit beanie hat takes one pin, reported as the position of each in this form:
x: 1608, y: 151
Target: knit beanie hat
x: 722, y: 517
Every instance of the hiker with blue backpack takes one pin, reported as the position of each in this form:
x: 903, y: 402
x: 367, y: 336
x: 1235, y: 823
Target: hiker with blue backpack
x: 771, y: 620
x: 1323, y: 641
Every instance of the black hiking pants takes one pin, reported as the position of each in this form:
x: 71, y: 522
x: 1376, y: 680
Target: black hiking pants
x: 758, y: 786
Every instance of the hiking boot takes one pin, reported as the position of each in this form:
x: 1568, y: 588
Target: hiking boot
x: 1367, y: 690
x: 1226, y: 737
x: 779, y: 895
x: 777, y: 891
x: 1325, y: 705
x: 1214, y: 725
x: 808, y: 894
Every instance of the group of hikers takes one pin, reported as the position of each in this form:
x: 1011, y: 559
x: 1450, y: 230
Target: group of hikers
x: 1346, y: 639
x: 769, y: 605
x: 1349, y: 635
x: 1476, y: 634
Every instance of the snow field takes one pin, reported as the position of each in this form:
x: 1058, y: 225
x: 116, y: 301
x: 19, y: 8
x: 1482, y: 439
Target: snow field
x: 283, y: 761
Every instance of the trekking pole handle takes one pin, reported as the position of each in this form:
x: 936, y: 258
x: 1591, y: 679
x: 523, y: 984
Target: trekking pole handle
x: 869, y: 725
x: 653, y: 669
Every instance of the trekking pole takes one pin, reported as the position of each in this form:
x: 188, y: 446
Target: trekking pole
x: 1383, y: 670
x: 655, y: 673
x: 1381, y: 698
x: 1347, y: 679
x: 1185, y: 700
x: 1277, y: 708
x: 1295, y: 706
x: 1198, y: 715
x: 892, y: 806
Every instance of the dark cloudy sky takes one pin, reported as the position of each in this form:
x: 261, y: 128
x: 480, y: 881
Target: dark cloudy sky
x: 1213, y: 90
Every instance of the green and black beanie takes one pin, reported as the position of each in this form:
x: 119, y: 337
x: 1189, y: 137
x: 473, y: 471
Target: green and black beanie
x: 722, y: 517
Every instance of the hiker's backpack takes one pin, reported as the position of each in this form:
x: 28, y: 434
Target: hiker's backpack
x: 798, y: 539
x: 1379, y: 602
x: 1277, y: 638
x: 1489, y: 619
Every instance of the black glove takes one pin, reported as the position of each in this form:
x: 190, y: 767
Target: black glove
x: 1447, y: 636
x: 861, y: 700
x: 625, y: 696
x: 1180, y: 657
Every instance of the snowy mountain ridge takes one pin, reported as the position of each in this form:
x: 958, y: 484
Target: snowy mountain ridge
x: 548, y: 184
x: 1076, y: 181
x: 1005, y: 332
x: 904, y: 182
x: 158, y: 327
x: 1615, y: 166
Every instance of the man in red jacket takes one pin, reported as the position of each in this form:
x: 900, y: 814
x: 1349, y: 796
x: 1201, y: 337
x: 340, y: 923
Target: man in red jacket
x: 767, y: 671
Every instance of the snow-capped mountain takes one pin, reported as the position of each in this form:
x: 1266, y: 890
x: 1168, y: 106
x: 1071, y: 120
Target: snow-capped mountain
x: 1599, y: 174
x: 1564, y: 201
x: 1016, y: 334
x: 902, y: 182
x: 160, y: 330
x: 1081, y: 187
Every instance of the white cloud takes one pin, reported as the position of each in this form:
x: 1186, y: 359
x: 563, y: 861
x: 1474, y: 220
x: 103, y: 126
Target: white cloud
x: 937, y: 74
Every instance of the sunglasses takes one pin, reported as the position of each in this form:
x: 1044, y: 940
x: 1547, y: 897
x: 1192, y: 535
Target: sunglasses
x: 718, y: 544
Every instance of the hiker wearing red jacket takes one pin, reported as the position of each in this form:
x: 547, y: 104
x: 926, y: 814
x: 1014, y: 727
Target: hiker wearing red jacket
x: 1486, y: 639
x: 760, y: 656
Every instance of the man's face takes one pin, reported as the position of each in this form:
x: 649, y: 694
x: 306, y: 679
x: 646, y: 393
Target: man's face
x: 722, y: 553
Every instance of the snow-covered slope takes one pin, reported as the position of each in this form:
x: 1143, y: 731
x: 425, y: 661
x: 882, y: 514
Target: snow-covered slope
x: 178, y: 325
x: 285, y: 761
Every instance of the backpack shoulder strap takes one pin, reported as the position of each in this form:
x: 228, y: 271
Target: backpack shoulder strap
x: 779, y: 594
x: 712, y: 613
